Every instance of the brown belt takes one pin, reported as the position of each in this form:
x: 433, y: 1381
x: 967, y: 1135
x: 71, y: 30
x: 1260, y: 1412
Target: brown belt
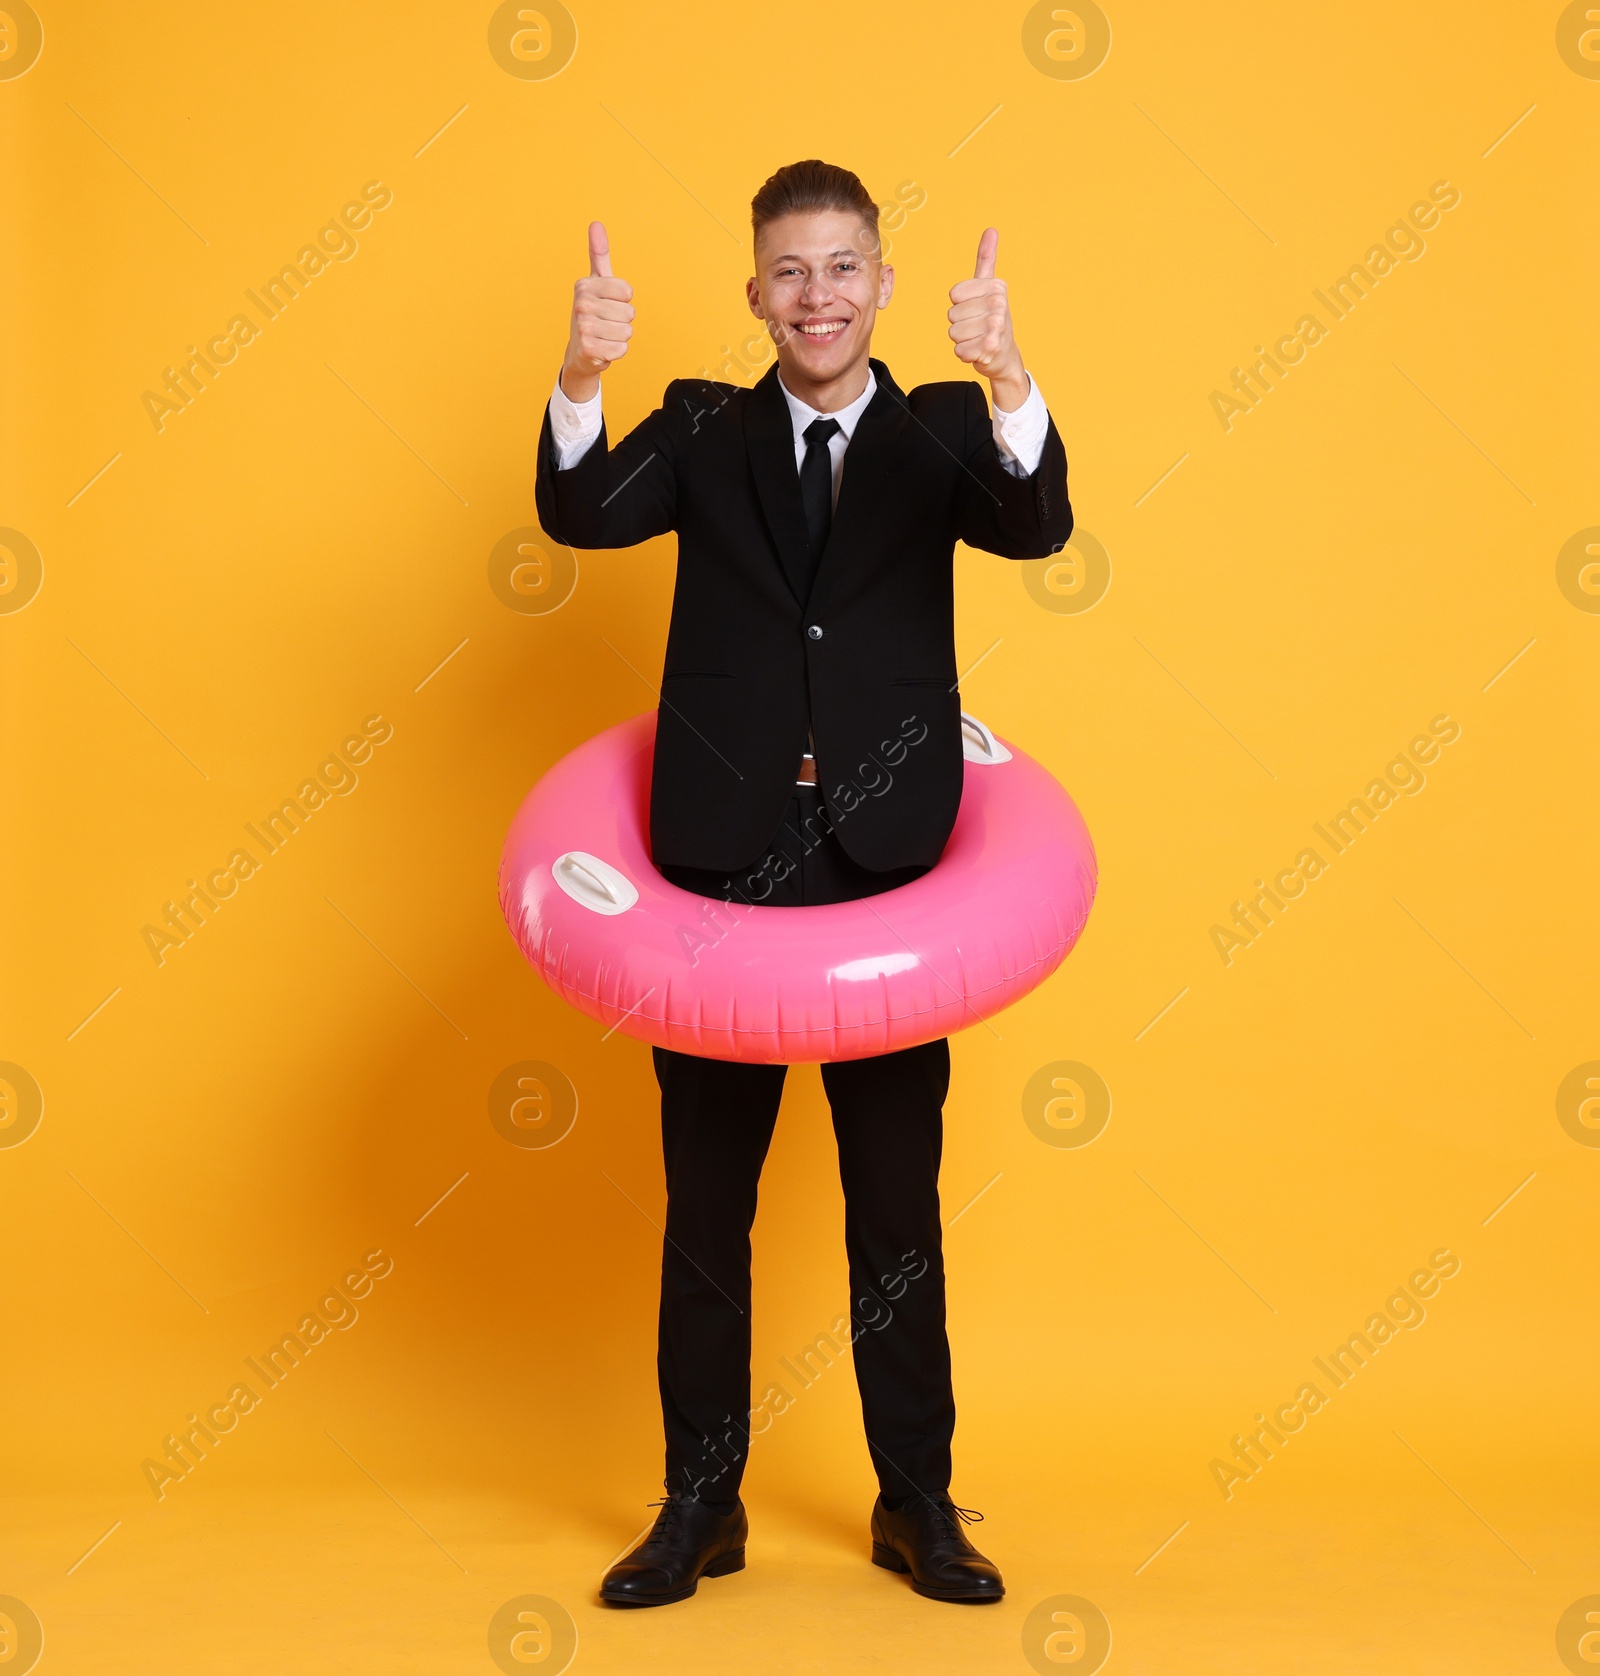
x: 806, y: 773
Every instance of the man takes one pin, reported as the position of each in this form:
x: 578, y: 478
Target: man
x: 808, y: 750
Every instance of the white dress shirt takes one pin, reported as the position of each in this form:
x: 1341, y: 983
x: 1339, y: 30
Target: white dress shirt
x: 1018, y: 435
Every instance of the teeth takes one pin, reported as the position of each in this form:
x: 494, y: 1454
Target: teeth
x: 823, y: 331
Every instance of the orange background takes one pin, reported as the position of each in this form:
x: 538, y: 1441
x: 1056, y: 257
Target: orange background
x: 229, y: 1133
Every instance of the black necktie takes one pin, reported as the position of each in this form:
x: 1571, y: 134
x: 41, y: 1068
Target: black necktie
x: 816, y: 490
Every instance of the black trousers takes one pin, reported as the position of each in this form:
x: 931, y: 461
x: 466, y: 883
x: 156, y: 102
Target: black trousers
x: 717, y: 1118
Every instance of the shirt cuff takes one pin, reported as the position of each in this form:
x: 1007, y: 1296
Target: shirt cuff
x: 573, y: 426
x: 1020, y: 434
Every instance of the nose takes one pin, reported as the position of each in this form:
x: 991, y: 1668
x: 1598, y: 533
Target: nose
x: 816, y: 292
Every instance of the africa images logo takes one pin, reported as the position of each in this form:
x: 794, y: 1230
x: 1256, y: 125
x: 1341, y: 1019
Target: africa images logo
x: 336, y: 1311
x: 334, y: 778
x: 1402, y: 778
x: 336, y: 242
x: 1401, y: 243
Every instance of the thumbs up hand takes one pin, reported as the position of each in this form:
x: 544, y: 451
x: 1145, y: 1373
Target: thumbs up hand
x: 980, y: 327
x: 602, y: 321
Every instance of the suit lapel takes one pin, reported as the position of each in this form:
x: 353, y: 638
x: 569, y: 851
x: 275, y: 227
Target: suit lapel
x: 872, y: 447
x: 769, y: 440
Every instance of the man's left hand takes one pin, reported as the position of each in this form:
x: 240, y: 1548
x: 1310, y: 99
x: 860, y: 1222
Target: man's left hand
x: 980, y: 326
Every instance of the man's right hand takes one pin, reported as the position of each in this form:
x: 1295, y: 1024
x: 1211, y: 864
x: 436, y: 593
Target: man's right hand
x: 602, y: 322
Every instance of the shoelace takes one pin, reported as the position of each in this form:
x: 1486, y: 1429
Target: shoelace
x: 950, y: 1517
x: 667, y: 1519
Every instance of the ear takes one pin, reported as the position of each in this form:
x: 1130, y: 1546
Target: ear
x: 885, y: 285
x: 752, y: 293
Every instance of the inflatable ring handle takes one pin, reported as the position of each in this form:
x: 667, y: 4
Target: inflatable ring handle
x: 593, y: 883
x: 979, y: 745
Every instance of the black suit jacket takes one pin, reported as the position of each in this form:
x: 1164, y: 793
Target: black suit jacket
x: 868, y: 657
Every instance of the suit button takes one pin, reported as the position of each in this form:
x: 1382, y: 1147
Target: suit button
x: 815, y: 631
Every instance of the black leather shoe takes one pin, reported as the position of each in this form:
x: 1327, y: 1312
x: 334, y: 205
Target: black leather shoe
x: 687, y: 1542
x: 925, y: 1538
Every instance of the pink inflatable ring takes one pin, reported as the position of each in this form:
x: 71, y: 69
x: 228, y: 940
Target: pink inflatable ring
x: 991, y: 921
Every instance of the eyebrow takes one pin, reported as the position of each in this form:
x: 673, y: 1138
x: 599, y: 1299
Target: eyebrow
x: 843, y: 250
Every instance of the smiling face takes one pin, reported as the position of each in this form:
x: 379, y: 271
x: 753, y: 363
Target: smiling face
x: 819, y: 286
